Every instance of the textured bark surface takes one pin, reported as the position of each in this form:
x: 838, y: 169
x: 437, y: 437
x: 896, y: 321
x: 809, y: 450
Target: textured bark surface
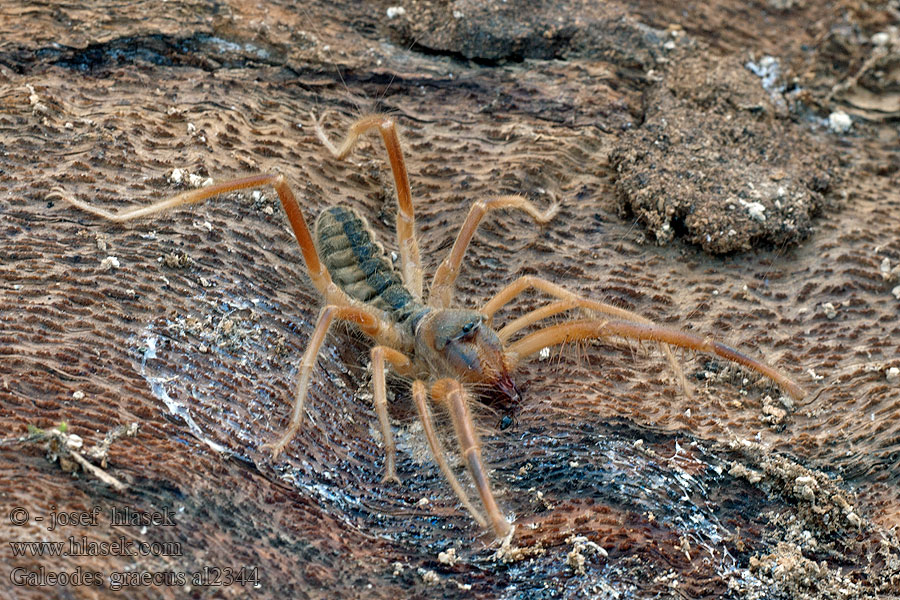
x: 649, y: 125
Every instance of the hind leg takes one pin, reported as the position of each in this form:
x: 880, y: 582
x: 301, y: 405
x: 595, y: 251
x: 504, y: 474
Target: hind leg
x: 410, y: 262
x: 366, y: 320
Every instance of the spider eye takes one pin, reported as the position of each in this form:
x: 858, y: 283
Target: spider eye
x: 468, y: 330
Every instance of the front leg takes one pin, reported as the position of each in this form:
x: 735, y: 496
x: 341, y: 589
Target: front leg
x: 598, y: 328
x: 567, y: 300
x: 437, y: 450
x: 441, y: 292
x: 453, y: 393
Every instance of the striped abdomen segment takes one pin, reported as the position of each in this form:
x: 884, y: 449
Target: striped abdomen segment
x: 358, y: 265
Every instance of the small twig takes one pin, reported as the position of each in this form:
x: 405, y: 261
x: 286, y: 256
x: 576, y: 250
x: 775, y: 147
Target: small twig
x: 852, y: 81
x: 99, y: 452
x: 62, y: 446
x: 98, y: 472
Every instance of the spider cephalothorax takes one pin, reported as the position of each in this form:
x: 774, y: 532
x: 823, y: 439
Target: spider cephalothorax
x: 424, y: 338
x: 458, y: 343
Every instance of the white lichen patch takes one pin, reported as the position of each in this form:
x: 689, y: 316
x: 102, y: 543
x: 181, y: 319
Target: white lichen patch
x: 109, y: 263
x: 448, y: 557
x: 820, y: 500
x: 768, y: 70
x: 805, y: 487
x: 756, y: 210
x: 395, y: 11
x: 885, y: 268
x: 199, y: 181
x: 882, y: 38
x: 37, y: 107
x: 684, y: 544
x: 739, y: 470
x: 581, y: 548
x: 180, y: 176
x: 839, y: 122
x: 773, y: 412
x: 820, y: 527
x: 429, y: 576
x: 575, y: 560
x: 892, y: 375
x: 800, y: 577
x: 507, y: 552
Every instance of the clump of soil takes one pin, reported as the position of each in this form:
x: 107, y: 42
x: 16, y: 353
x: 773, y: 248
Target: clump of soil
x: 823, y: 531
x: 721, y: 164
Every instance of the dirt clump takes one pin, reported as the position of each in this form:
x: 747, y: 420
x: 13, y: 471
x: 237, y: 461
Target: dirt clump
x: 722, y: 164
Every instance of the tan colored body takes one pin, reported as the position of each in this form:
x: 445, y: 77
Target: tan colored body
x: 426, y: 339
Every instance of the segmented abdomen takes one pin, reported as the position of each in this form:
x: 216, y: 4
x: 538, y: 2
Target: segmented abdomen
x: 358, y: 265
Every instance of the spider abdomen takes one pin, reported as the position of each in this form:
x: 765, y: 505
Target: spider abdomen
x: 358, y: 264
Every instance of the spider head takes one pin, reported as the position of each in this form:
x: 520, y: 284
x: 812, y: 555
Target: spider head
x: 458, y: 343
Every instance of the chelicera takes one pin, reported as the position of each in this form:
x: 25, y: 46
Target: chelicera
x: 448, y: 353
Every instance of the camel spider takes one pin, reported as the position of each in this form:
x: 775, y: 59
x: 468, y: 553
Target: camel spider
x: 424, y: 339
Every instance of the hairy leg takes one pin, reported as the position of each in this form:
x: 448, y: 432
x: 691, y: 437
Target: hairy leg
x: 452, y: 392
x: 317, y: 272
x: 598, y: 328
x: 522, y: 284
x: 402, y: 366
x: 437, y: 451
x: 441, y: 293
x: 410, y: 263
x: 367, y: 321
x: 567, y: 301
x: 534, y: 316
